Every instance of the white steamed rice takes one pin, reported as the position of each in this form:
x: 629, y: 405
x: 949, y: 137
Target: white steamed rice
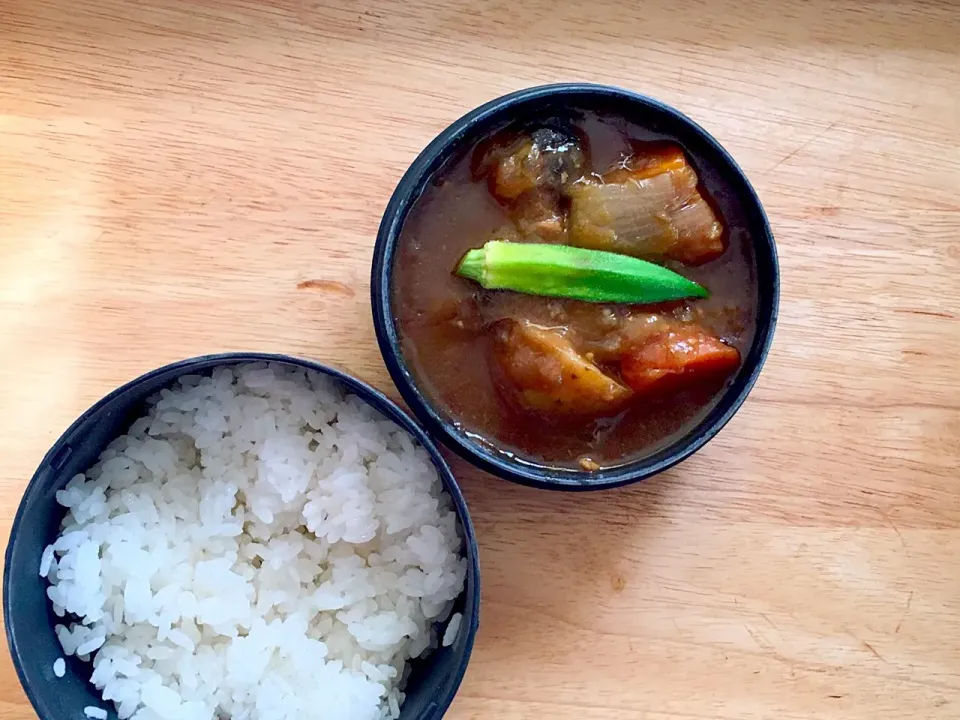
x: 260, y: 546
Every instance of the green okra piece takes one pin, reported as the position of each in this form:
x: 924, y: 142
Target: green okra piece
x: 577, y: 273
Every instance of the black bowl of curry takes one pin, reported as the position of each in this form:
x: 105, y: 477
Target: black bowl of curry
x: 574, y: 287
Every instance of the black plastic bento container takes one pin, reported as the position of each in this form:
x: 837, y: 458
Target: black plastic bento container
x: 542, y: 102
x: 28, y: 614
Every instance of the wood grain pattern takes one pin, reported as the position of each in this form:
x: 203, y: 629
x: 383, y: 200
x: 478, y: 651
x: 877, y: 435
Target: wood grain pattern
x: 180, y: 177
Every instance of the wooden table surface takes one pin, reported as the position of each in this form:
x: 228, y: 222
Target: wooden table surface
x: 172, y: 172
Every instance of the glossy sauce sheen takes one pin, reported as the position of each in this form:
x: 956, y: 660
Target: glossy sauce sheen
x: 443, y: 320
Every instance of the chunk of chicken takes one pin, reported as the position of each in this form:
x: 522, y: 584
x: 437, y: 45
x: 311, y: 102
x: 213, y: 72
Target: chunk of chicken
x: 528, y: 176
x: 649, y: 208
x: 542, y: 371
x: 672, y: 360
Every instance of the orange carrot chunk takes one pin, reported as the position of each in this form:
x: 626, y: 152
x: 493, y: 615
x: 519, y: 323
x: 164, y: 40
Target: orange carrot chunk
x: 676, y: 360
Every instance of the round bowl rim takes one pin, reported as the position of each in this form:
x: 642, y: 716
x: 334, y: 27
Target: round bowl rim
x: 391, y: 225
x: 365, y: 392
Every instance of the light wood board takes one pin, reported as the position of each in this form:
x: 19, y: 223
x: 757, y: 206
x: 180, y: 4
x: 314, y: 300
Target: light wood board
x: 171, y: 172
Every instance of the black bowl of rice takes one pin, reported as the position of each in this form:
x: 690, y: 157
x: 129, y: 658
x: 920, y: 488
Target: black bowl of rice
x: 242, y: 536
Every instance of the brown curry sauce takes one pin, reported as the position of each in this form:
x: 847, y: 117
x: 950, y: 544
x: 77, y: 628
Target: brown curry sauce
x: 448, y: 325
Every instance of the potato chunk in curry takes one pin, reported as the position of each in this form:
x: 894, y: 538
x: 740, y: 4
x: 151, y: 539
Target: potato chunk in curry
x: 541, y: 370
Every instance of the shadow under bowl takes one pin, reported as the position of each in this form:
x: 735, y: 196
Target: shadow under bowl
x: 28, y: 614
x: 528, y: 106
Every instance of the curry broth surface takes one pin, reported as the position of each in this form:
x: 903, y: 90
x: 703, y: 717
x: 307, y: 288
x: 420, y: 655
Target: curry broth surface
x: 448, y: 352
